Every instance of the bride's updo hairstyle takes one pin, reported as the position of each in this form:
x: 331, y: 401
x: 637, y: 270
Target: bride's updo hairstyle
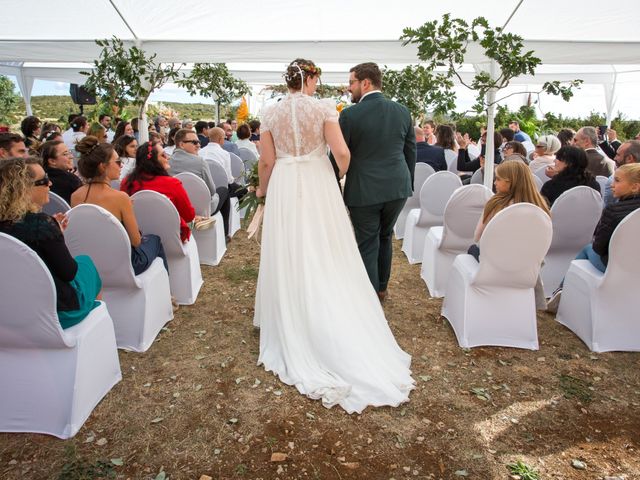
x: 298, y: 68
x: 92, y: 154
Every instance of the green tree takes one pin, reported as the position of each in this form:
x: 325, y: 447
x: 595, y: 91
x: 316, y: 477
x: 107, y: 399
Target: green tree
x: 213, y: 80
x: 420, y: 90
x: 444, y: 45
x: 127, y: 75
x: 9, y: 100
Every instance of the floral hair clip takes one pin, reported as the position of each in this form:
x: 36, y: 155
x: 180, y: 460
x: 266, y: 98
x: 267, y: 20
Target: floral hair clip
x: 149, y: 150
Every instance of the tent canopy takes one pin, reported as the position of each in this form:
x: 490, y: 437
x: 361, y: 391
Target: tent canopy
x: 55, y: 42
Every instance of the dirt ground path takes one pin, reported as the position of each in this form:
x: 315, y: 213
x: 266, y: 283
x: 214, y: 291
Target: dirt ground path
x: 196, y: 404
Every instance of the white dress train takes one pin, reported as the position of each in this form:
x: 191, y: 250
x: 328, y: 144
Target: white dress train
x: 322, y: 328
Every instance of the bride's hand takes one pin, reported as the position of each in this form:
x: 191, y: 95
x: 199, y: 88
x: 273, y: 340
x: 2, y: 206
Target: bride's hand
x: 260, y: 193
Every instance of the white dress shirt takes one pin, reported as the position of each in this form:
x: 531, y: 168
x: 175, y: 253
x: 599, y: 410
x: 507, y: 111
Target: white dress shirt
x: 214, y: 151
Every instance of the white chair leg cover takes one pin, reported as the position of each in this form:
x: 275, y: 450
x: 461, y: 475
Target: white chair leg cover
x: 54, y: 391
x: 211, y: 242
x: 512, y: 312
x: 139, y: 315
x: 413, y: 237
x: 234, y: 217
x: 436, y: 263
x: 605, y: 319
x: 185, y: 276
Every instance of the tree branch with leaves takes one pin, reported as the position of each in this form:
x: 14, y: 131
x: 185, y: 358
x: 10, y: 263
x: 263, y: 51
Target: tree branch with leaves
x: 127, y: 75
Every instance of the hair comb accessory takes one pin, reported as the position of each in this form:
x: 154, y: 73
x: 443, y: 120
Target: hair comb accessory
x: 149, y: 150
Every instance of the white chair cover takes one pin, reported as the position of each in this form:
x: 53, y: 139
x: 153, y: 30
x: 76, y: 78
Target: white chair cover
x: 52, y: 379
x: 220, y: 179
x: 541, y: 175
x: 211, y: 242
x: 56, y: 204
x: 139, y: 305
x: 434, y: 195
x: 422, y: 172
x: 248, y: 158
x: 237, y: 168
x: 602, y: 308
x: 452, y: 160
x: 538, y: 182
x: 575, y: 215
x: 602, y: 181
x: 443, y: 244
x: 492, y: 302
x: 477, y: 178
x: 156, y: 214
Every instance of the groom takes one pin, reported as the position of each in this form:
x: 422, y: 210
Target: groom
x: 380, y: 136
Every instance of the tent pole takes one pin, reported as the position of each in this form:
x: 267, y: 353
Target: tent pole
x: 610, y: 98
x: 25, y: 84
x: 489, y: 161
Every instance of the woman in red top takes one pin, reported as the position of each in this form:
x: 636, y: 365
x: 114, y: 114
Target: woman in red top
x: 151, y: 173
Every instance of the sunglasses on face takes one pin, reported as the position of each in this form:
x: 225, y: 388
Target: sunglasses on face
x: 119, y: 162
x: 41, y: 182
x: 193, y: 142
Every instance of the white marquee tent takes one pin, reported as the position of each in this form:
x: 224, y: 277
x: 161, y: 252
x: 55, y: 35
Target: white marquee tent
x: 596, y: 42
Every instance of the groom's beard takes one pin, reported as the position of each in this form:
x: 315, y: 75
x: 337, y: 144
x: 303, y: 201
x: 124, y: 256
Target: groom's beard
x: 355, y: 98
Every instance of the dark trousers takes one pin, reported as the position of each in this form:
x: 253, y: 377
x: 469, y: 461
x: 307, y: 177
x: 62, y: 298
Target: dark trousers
x: 373, y: 226
x: 225, y: 194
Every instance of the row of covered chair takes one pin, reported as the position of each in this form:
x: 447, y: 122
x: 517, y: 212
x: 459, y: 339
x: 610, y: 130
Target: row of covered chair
x: 439, y: 233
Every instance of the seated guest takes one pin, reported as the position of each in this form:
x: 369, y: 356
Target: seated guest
x: 67, y: 134
x: 514, y: 184
x: 627, y: 152
x: 171, y: 141
x: 508, y: 135
x: 202, y: 129
x: 514, y: 147
x: 57, y: 160
x: 186, y: 158
x: 429, y: 130
x: 465, y: 164
x: 214, y: 152
x: 255, y: 130
x: 244, y: 139
x: 24, y: 189
x: 47, y: 130
x: 429, y: 154
x: 544, y: 154
x: 626, y: 189
x: 80, y: 128
x: 151, y: 172
x: 99, y: 165
x: 446, y: 138
x: 569, y: 170
x: 31, y: 127
x: 567, y: 137
x: 126, y: 147
x: 97, y: 130
x: 610, y: 143
x: 123, y: 128
x: 587, y: 139
x: 229, y: 132
x: 12, y: 145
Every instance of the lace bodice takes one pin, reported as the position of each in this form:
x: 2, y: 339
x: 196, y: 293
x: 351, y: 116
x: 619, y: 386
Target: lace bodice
x: 297, y: 122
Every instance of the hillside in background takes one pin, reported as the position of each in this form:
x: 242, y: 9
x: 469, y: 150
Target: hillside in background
x: 58, y: 107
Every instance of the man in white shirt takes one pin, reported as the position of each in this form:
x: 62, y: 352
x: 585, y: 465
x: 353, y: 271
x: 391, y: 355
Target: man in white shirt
x: 214, y: 152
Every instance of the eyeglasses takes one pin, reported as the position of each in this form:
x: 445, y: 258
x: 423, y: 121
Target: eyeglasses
x: 41, y: 182
x: 193, y: 142
x: 351, y: 82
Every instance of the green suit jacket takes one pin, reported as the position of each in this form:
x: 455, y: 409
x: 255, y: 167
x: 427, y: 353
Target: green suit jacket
x: 380, y: 136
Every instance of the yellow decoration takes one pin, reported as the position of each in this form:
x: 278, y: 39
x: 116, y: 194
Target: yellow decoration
x: 243, y: 111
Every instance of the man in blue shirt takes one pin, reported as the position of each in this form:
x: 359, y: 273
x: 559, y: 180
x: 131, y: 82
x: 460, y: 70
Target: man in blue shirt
x: 519, y: 134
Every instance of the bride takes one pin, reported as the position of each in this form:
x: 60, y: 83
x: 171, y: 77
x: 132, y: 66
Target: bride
x: 322, y: 328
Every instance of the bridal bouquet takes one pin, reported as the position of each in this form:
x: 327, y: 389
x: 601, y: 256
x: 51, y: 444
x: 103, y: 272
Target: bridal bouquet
x: 254, y: 205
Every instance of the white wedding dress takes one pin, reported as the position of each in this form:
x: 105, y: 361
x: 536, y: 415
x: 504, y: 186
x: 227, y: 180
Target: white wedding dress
x: 322, y: 328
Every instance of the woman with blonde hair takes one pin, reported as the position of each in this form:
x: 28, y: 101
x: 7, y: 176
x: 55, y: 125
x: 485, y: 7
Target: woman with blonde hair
x: 97, y: 130
x: 514, y: 184
x: 24, y: 189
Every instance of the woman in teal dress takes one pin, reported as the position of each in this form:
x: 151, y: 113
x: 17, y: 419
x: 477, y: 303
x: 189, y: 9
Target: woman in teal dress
x: 24, y: 189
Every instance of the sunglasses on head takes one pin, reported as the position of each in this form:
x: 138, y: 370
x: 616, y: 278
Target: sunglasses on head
x: 42, y: 182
